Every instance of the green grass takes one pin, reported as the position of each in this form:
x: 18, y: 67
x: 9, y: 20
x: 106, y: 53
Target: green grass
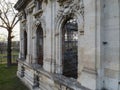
x: 9, y: 80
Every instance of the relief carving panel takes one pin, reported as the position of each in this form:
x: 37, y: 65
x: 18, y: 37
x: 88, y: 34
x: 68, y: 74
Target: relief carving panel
x: 71, y: 9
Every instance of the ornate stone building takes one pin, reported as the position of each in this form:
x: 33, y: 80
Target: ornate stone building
x: 69, y: 44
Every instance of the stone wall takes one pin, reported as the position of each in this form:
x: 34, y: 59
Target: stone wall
x: 98, y: 44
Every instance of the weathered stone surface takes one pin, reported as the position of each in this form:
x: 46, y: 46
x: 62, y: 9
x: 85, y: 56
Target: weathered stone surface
x: 98, y: 44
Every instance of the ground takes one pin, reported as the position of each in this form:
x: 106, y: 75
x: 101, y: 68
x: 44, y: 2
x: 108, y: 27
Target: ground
x: 9, y: 80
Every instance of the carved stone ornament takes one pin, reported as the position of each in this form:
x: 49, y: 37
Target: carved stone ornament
x: 70, y: 6
x: 24, y: 26
x: 37, y: 22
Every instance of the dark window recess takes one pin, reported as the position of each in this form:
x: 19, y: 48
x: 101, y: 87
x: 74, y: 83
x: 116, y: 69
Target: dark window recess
x: 70, y: 48
x: 39, y: 45
x: 25, y: 44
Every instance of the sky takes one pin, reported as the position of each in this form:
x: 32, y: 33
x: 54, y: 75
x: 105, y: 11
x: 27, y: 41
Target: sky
x: 3, y: 32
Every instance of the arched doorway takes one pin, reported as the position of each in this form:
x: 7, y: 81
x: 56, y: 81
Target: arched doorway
x: 25, y: 44
x: 39, y: 43
x: 70, y: 48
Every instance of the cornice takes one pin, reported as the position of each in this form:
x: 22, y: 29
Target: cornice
x: 20, y: 4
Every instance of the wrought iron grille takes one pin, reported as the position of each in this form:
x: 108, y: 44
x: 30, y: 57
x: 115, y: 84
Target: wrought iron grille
x: 70, y: 51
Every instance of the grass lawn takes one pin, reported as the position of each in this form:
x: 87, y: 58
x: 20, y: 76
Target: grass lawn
x: 9, y: 80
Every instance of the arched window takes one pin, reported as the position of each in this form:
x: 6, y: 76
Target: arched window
x: 25, y: 44
x: 70, y: 48
x: 39, y: 43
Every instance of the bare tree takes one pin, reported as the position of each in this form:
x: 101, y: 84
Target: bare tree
x: 8, y: 20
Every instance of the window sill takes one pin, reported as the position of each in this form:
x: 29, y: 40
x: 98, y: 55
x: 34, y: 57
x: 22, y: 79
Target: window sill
x: 68, y: 82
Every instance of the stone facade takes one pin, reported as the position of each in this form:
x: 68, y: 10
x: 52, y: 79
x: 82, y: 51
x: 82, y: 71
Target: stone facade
x: 41, y: 64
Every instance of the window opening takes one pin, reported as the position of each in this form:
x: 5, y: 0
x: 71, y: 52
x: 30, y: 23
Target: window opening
x: 25, y: 44
x: 40, y: 45
x: 70, y: 48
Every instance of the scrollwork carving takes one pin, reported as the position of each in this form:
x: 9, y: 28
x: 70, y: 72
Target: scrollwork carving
x: 70, y: 6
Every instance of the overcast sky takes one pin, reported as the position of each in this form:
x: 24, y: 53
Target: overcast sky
x: 3, y: 32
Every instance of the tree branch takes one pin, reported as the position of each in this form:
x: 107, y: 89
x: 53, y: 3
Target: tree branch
x: 4, y: 21
x: 15, y: 23
x: 14, y: 20
x: 3, y: 26
x: 7, y: 18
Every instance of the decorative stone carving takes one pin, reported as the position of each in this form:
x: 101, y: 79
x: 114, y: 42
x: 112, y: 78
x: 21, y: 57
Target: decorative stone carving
x: 39, y: 21
x: 24, y: 26
x: 36, y: 23
x: 70, y: 6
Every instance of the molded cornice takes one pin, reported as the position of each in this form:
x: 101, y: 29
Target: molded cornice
x: 20, y: 4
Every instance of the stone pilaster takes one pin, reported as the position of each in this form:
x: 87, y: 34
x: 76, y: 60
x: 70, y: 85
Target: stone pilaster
x: 29, y: 36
